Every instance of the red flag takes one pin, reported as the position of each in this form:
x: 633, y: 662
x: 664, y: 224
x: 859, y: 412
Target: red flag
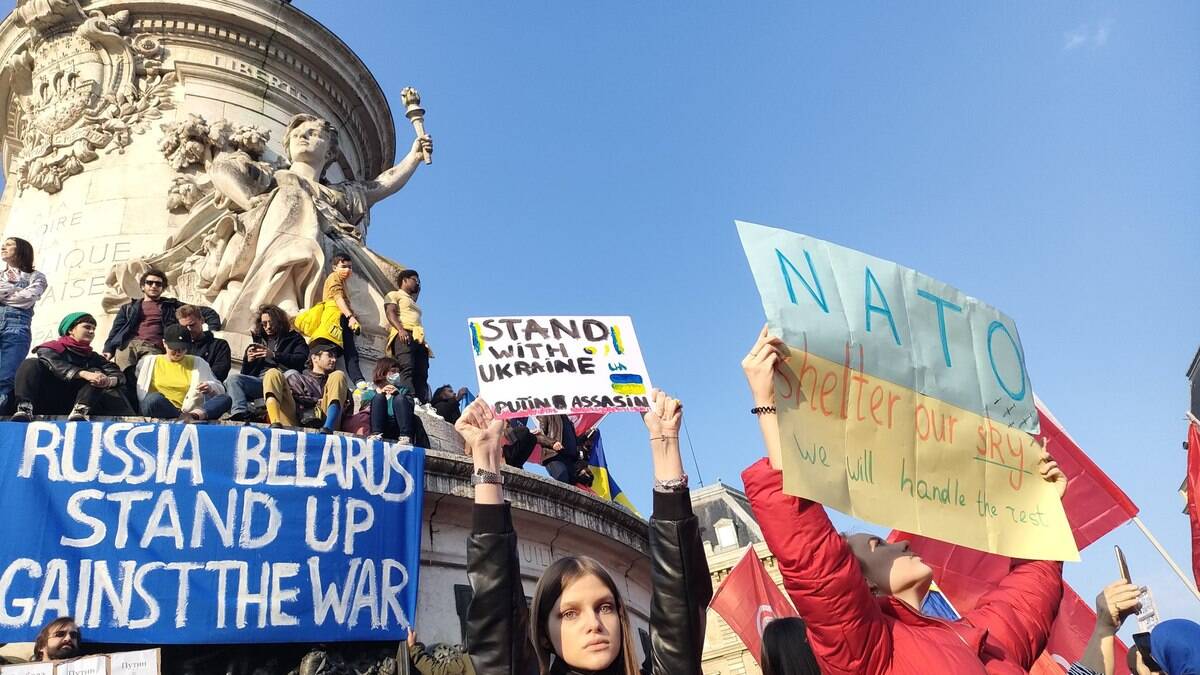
x: 1070, y: 634
x: 748, y: 600
x: 1193, y: 494
x: 1094, y: 506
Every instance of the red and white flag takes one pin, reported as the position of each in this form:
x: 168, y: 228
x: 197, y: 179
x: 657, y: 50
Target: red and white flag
x: 1193, y: 494
x: 748, y: 600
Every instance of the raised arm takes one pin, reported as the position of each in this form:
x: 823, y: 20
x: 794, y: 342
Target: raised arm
x: 847, y: 630
x: 682, y: 585
x: 390, y: 181
x: 1019, y: 613
x: 497, y: 615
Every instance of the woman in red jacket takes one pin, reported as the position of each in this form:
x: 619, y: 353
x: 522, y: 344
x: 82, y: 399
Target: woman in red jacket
x: 861, y: 596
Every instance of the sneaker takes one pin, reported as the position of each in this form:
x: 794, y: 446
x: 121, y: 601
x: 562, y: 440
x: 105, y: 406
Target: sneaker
x: 188, y: 417
x: 240, y: 416
x: 375, y: 437
x: 404, y: 440
x: 80, y: 413
x: 362, y: 385
x: 24, y: 412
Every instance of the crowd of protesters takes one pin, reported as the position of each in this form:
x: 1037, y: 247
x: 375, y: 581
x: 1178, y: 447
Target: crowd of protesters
x: 859, y: 595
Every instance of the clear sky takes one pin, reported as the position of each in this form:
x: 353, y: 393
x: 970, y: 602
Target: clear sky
x: 591, y: 158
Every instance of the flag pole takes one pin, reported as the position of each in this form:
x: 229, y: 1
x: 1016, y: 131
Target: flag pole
x: 1163, y: 552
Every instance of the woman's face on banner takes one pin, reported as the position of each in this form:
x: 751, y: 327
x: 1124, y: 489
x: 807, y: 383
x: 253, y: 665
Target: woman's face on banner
x: 889, y: 568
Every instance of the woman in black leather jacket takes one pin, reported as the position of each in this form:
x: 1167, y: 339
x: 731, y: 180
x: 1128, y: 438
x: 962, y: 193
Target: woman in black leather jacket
x: 580, y: 621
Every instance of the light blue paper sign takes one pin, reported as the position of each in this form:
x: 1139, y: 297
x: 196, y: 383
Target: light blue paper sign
x: 890, y: 322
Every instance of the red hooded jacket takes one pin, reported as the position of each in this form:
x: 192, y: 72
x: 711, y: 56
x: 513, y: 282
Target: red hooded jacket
x: 853, y: 632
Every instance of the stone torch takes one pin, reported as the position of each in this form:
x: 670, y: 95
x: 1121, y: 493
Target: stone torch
x: 415, y: 114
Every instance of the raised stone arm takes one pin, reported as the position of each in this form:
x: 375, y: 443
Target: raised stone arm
x: 389, y: 182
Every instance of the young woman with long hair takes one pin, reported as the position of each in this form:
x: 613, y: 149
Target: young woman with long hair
x: 785, y: 649
x: 580, y: 621
x: 861, y: 596
x: 20, y: 288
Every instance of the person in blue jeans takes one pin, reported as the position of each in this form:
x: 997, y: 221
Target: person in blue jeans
x: 391, y: 404
x: 560, y: 448
x: 20, y: 288
x: 275, y: 345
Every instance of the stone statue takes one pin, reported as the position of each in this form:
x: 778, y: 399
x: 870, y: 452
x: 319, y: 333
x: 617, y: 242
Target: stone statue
x: 261, y: 232
x: 77, y: 91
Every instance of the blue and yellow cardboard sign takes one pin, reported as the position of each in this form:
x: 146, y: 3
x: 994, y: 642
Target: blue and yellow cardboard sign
x: 905, y: 402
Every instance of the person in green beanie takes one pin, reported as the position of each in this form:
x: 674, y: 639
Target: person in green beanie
x: 67, y: 377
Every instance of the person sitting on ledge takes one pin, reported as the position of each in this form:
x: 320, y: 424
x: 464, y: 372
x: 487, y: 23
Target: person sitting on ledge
x: 313, y: 397
x: 391, y: 404
x: 276, y: 345
x: 203, y: 343
x: 67, y: 377
x: 138, y: 327
x: 560, y: 449
x: 59, y: 639
x: 177, y: 385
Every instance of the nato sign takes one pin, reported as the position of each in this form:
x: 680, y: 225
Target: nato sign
x: 170, y: 533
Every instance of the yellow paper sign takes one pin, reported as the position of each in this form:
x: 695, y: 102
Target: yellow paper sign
x: 889, y: 455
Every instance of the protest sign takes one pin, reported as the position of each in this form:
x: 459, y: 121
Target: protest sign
x: 905, y: 402
x: 539, y: 365
x: 143, y: 662
x: 170, y: 534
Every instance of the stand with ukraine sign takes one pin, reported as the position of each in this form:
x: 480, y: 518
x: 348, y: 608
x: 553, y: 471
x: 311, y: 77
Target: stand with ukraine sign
x: 185, y: 534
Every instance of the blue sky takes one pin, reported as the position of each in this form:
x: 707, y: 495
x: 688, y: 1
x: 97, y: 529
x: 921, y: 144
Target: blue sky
x: 591, y: 158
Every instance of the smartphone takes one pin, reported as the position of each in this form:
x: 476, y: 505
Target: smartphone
x: 1141, y: 642
x: 1122, y: 565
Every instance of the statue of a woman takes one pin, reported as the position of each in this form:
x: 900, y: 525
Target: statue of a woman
x: 262, y: 239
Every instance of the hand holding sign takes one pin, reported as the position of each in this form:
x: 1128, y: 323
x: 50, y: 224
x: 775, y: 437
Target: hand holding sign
x: 1050, y: 472
x: 663, y: 421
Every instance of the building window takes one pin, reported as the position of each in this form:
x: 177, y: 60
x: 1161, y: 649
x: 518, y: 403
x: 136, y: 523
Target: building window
x: 726, y: 533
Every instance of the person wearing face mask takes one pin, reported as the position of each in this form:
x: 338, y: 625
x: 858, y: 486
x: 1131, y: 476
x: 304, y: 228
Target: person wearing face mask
x: 334, y: 320
x: 579, y: 622
x: 67, y: 377
x: 860, y: 596
x: 391, y: 404
x: 21, y: 287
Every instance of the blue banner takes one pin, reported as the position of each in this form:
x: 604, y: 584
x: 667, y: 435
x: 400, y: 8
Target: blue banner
x: 171, y: 533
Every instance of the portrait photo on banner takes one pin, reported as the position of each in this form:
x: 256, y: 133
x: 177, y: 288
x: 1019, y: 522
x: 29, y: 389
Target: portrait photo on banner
x: 539, y: 365
x: 904, y: 402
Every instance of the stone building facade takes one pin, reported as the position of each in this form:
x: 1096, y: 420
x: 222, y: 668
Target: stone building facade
x: 727, y: 528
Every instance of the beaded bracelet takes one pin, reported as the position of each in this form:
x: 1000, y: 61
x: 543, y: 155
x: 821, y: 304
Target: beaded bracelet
x: 763, y: 410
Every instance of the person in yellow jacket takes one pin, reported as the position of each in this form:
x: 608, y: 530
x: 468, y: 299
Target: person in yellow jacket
x: 406, y: 339
x: 333, y: 319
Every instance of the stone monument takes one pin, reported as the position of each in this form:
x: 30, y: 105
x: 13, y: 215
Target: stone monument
x: 236, y: 144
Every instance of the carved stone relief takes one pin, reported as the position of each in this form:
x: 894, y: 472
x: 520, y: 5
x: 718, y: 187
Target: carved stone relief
x: 82, y: 84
